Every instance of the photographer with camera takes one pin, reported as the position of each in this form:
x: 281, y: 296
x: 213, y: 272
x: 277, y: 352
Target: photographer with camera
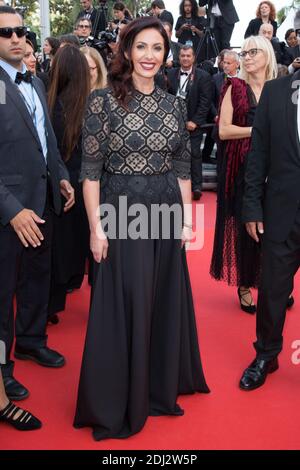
x: 83, y: 30
x: 223, y: 16
x: 97, y: 16
x: 122, y: 17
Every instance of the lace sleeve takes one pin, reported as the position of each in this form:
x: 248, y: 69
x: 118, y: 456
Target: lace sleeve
x: 95, y: 136
x: 182, y: 158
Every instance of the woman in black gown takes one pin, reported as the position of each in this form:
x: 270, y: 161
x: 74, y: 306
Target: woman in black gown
x: 67, y: 97
x: 141, y: 347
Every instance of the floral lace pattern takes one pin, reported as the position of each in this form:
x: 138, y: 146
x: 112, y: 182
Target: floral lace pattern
x: 148, y: 138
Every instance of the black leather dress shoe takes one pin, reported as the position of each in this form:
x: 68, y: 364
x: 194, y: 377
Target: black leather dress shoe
x: 290, y: 302
x: 255, y: 375
x: 197, y: 194
x: 14, y: 390
x: 44, y: 356
x: 54, y: 319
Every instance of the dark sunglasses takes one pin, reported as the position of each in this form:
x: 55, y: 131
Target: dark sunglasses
x: 8, y: 32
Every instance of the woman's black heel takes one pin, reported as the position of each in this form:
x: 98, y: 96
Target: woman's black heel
x: 246, y: 308
x: 24, y: 422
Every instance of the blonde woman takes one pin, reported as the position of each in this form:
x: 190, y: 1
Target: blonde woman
x: 98, y: 72
x: 236, y: 256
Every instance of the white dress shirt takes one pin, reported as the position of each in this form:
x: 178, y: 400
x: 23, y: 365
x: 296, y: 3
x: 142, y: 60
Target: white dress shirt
x: 184, y: 79
x: 216, y: 10
x: 170, y: 56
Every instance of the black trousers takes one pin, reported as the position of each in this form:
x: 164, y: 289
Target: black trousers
x: 280, y: 262
x: 196, y: 167
x: 208, y: 146
x: 24, y: 272
x: 222, y: 32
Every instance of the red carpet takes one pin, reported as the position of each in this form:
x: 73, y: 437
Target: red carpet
x: 227, y: 418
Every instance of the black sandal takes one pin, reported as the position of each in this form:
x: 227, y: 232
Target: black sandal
x: 25, y: 422
x: 249, y: 308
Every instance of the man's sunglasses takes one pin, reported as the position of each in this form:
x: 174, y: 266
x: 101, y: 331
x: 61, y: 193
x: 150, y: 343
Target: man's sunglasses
x: 8, y: 32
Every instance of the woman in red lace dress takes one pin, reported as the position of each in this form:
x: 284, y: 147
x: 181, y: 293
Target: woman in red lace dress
x: 236, y: 257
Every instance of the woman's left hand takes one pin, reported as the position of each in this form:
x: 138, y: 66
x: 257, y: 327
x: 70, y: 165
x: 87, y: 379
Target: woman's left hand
x: 186, y: 237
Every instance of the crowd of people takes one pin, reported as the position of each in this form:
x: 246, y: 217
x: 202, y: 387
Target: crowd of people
x: 117, y: 109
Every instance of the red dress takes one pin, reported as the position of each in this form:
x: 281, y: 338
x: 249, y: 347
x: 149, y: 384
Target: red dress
x: 236, y: 256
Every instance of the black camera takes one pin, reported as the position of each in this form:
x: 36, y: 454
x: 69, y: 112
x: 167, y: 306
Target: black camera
x: 100, y: 43
x: 105, y: 37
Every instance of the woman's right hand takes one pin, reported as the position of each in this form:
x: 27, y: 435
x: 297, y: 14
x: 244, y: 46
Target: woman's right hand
x: 99, y: 246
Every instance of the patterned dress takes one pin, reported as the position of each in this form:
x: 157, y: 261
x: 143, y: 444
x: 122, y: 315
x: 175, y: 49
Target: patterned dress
x: 141, y: 347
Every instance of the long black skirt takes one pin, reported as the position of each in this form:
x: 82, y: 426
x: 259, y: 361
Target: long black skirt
x: 70, y: 249
x: 141, y: 347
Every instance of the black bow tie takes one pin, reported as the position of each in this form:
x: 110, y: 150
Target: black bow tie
x: 25, y: 77
x: 184, y: 73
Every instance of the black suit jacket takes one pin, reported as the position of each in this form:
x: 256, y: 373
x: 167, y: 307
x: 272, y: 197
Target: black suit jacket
x: 254, y: 26
x: 199, y: 94
x: 280, y: 52
x: 23, y: 170
x: 175, y: 48
x: 227, y: 9
x: 161, y: 77
x: 272, y: 192
x: 218, y: 80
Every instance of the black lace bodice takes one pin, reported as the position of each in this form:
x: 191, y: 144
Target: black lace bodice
x: 148, y: 138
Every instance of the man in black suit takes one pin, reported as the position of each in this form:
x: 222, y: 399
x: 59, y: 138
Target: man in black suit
x: 195, y: 87
x: 223, y: 17
x: 32, y: 178
x: 230, y: 65
x: 172, y: 59
x: 272, y: 215
x: 158, y: 9
x: 98, y: 17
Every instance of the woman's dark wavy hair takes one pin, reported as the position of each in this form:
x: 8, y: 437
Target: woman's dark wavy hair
x: 70, y: 83
x: 120, y: 75
x: 194, y: 7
